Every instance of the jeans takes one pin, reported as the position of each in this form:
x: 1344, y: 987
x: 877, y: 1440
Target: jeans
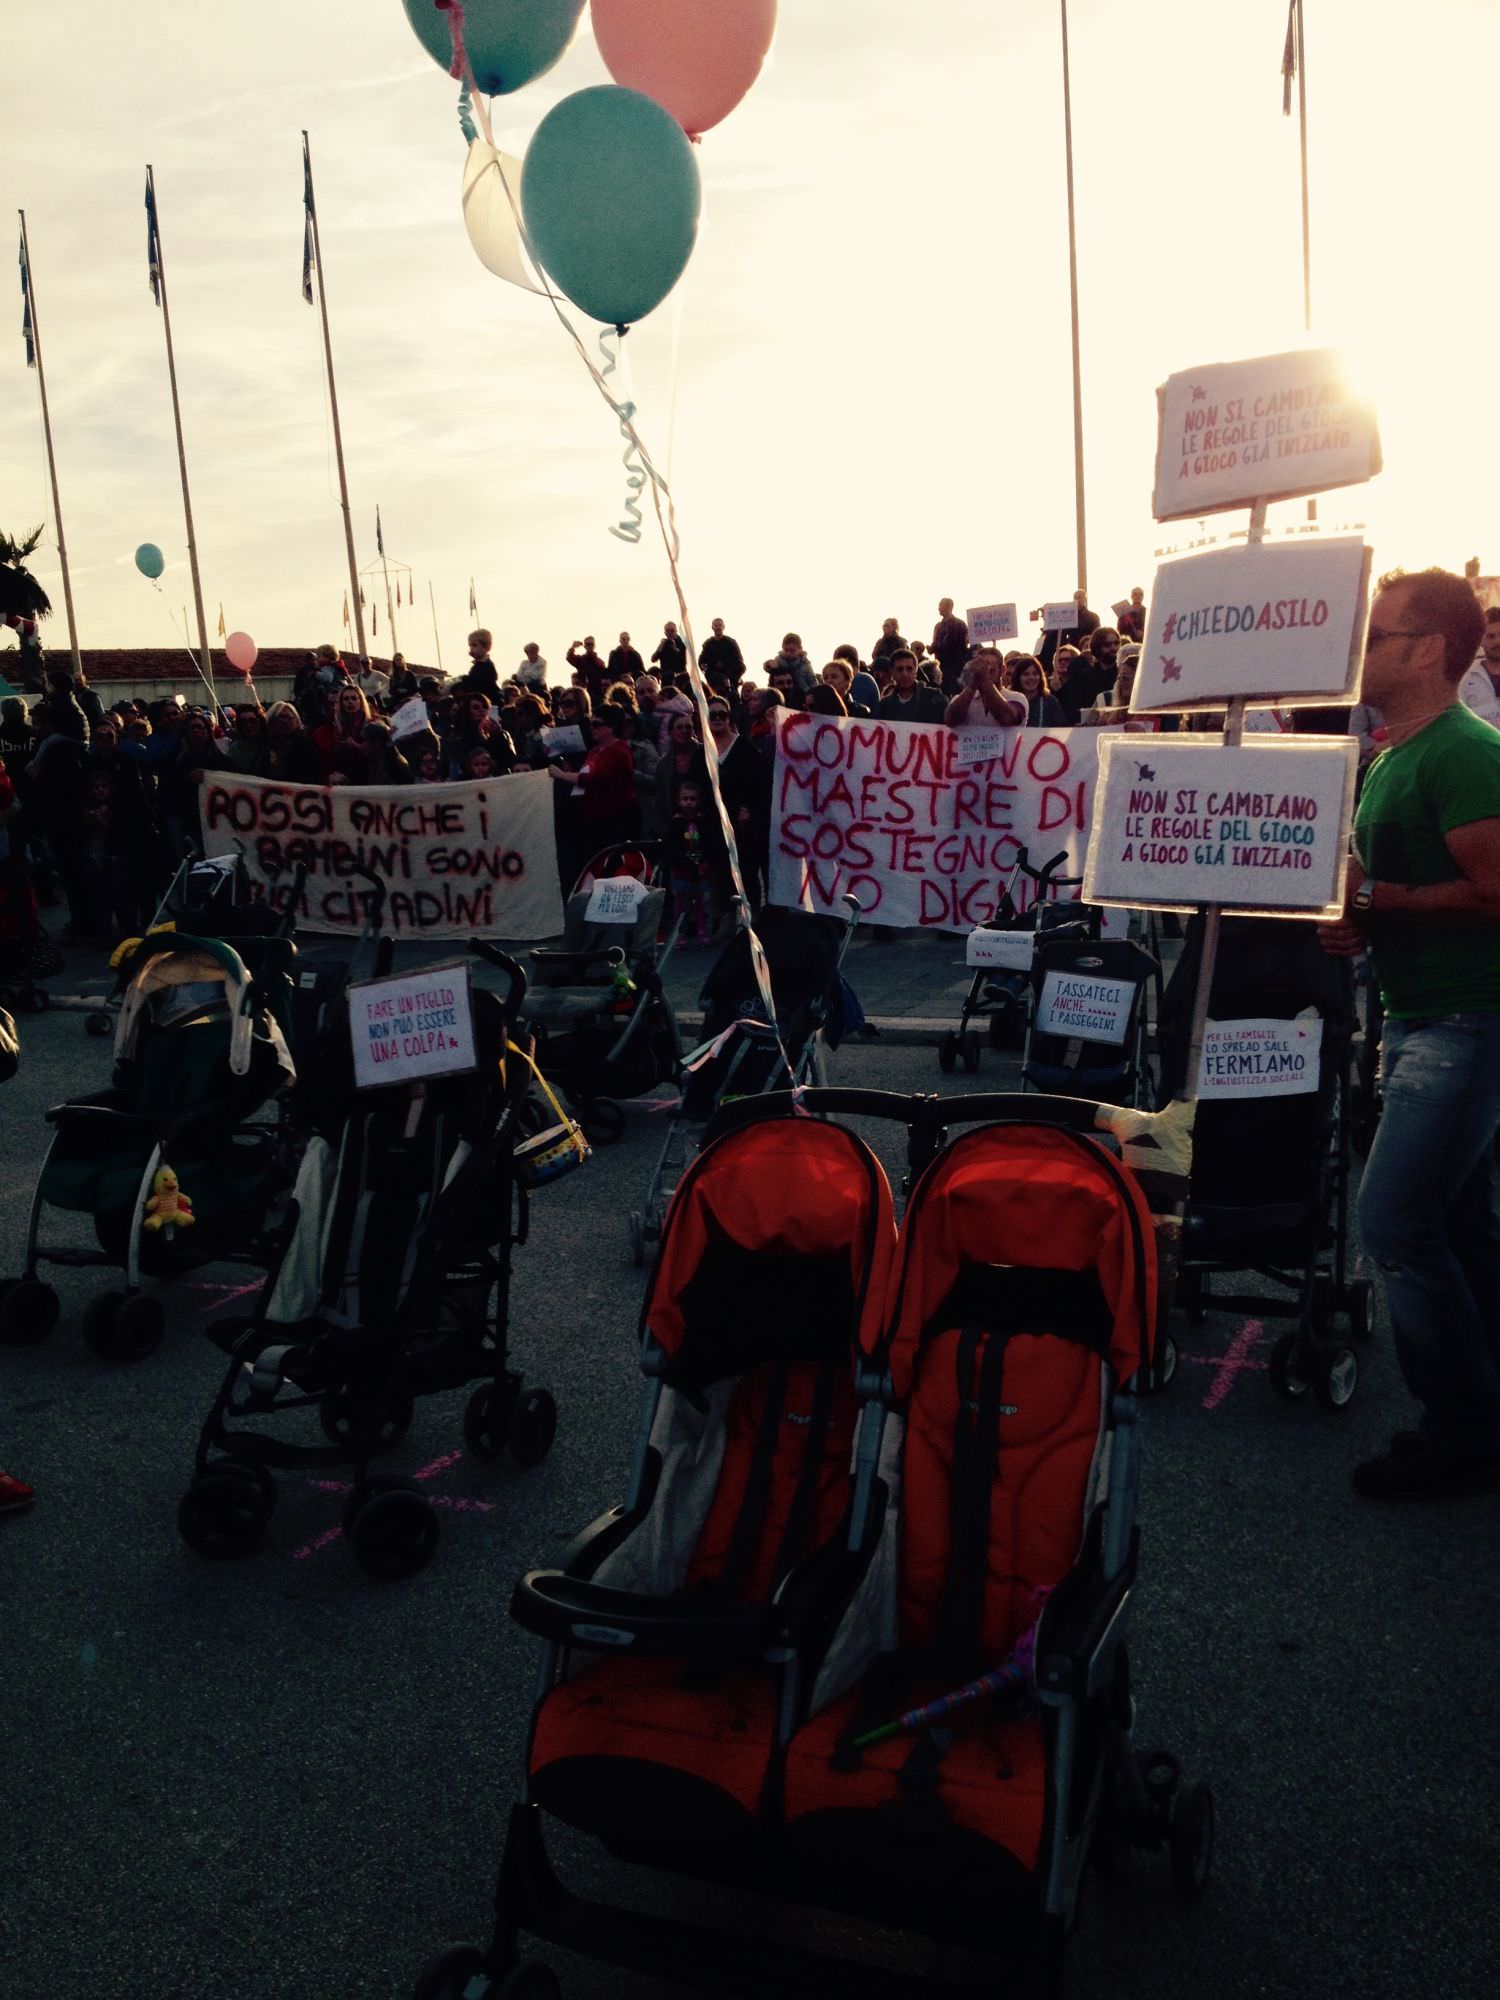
x: 1427, y: 1217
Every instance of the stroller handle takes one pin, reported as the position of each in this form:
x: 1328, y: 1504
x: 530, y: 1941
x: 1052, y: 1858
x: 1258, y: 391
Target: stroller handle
x: 503, y: 962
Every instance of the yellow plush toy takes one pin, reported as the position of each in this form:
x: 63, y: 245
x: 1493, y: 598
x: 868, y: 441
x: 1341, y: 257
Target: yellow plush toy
x: 168, y: 1207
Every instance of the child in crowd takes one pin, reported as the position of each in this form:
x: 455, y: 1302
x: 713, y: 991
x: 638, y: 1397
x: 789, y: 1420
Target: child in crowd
x: 693, y: 845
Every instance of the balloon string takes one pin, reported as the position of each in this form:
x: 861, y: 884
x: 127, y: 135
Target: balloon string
x: 635, y: 477
x: 666, y: 521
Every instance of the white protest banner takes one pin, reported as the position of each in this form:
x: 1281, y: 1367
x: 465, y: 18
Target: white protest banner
x: 1268, y: 429
x: 413, y: 1027
x: 1059, y: 617
x: 1088, y: 1010
x: 991, y: 622
x: 1261, y: 1058
x: 566, y: 741
x: 1180, y: 822
x: 887, y: 812
x: 410, y: 717
x: 457, y: 861
x: 1278, y: 620
x: 615, y: 900
x: 1006, y: 951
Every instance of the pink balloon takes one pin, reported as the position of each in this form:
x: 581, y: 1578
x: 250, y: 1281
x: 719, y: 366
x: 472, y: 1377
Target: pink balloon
x: 696, y: 59
x: 241, y: 651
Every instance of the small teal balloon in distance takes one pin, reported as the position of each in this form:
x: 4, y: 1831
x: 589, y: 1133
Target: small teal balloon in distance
x: 508, y: 42
x: 149, y: 560
x: 611, y: 196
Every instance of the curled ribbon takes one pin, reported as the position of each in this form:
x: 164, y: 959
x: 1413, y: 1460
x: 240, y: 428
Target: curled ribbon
x: 466, y: 116
x: 454, y: 9
x: 635, y: 473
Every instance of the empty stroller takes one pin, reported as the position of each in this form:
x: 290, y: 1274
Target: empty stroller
x: 605, y: 1028
x: 741, y: 1053
x: 394, y: 1284
x: 896, y: 1687
x: 175, y: 1162
x: 1087, y: 1034
x: 1270, y: 1178
x: 997, y: 993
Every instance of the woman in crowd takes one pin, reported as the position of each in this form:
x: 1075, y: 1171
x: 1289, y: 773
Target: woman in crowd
x: 340, y: 741
x: 603, y: 788
x: 681, y: 760
x: 292, y: 755
x: 838, y: 674
x: 384, y: 763
x: 249, y: 748
x: 1029, y: 678
x: 745, y: 781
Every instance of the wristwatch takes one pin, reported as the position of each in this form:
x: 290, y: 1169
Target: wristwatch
x: 1363, y: 897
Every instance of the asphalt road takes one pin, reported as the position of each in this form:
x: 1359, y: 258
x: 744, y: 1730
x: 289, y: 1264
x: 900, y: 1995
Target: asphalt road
x: 277, y: 1779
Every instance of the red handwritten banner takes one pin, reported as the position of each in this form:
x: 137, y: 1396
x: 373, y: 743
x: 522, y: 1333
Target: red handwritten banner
x: 886, y: 811
x: 458, y: 861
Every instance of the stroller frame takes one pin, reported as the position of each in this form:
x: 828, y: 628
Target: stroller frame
x: 989, y: 998
x: 1081, y: 1670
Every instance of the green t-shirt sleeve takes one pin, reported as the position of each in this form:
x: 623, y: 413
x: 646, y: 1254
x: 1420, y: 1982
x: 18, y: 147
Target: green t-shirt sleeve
x: 1469, y: 789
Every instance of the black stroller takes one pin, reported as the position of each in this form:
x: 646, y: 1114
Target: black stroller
x: 1270, y: 1178
x: 742, y: 1054
x: 605, y: 1028
x: 1087, y: 1034
x: 393, y: 1284
x: 998, y: 992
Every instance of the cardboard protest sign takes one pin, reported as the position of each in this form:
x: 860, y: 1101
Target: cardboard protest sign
x: 457, y: 861
x: 616, y: 899
x: 413, y: 1027
x: 1059, y: 617
x: 1261, y: 1058
x: 886, y: 811
x: 410, y: 718
x: 566, y: 741
x: 1183, y: 822
x: 1007, y: 951
x: 989, y: 623
x: 981, y: 743
x: 1282, y: 621
x: 1267, y: 429
x: 1090, y: 1010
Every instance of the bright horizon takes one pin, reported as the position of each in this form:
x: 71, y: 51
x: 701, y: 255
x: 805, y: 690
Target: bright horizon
x: 873, y: 397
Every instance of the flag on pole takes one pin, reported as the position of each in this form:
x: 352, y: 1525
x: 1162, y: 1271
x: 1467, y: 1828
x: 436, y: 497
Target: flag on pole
x: 223, y: 628
x: 379, y: 536
x: 28, y: 333
x: 375, y: 621
x: 361, y: 597
x: 153, y: 244
x: 473, y: 600
x: 346, y: 611
x: 307, y: 223
x: 1289, y: 59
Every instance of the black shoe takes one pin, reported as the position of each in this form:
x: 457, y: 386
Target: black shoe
x: 1413, y: 1468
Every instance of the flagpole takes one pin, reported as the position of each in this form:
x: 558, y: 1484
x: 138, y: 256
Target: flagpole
x: 390, y: 615
x: 1306, y: 210
x: 187, y: 500
x: 436, y: 640
x: 1078, y: 501
x: 41, y: 380
x: 333, y: 402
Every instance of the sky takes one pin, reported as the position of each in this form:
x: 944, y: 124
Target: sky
x: 862, y: 385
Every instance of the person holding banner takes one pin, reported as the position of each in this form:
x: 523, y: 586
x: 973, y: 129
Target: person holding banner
x: 983, y: 697
x: 1424, y: 892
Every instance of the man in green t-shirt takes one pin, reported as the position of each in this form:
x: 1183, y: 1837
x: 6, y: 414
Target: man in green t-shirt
x: 1424, y: 895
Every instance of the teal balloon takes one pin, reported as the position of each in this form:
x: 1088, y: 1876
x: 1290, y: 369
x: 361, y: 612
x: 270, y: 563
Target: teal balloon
x: 149, y: 560
x: 611, y: 196
x: 508, y: 42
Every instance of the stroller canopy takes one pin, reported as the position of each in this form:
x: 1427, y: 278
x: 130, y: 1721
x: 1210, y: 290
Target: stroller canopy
x: 202, y: 972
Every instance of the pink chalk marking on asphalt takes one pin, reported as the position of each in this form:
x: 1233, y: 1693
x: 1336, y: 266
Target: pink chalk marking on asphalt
x: 438, y: 1465
x: 451, y: 1502
x: 223, y: 1291
x: 322, y: 1542
x: 1235, y: 1360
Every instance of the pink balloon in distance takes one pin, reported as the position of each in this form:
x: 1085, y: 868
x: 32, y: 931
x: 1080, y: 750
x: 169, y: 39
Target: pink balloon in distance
x: 696, y: 59
x: 241, y: 651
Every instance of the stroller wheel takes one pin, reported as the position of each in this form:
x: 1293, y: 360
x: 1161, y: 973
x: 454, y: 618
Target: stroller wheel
x: 533, y: 1426
x: 487, y: 1418
x: 392, y: 1528
x: 257, y: 1476
x: 948, y: 1052
x: 336, y: 1413
x: 223, y: 1516
x: 1166, y: 1361
x: 1335, y: 1377
x: 530, y: 1981
x: 97, y: 1024
x: 454, y: 1975
x: 1289, y: 1375
x: 28, y: 1311
x: 971, y: 1051
x: 1361, y: 1293
x: 603, y: 1121
x: 123, y: 1326
x: 1192, y: 1841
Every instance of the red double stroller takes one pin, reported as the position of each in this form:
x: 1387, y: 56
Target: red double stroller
x: 856, y: 1641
